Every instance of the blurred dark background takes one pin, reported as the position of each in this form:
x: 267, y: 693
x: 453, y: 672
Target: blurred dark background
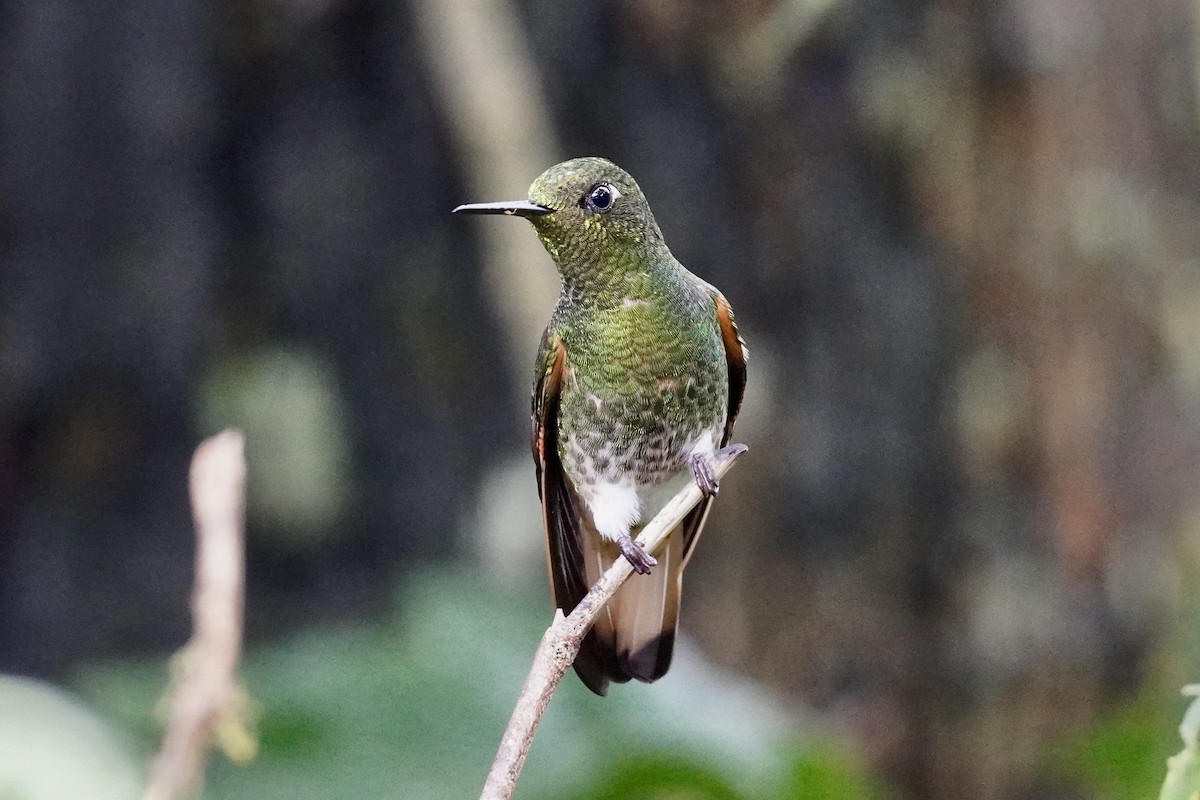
x: 961, y: 240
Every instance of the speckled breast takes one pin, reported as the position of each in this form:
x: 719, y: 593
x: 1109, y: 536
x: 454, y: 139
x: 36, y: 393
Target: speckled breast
x: 636, y: 414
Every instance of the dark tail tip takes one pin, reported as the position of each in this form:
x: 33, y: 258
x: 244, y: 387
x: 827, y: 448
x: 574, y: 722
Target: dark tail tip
x: 593, y: 680
x: 597, y: 665
x: 651, y: 661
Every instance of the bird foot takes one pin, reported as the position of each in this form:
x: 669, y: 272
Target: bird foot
x: 636, y: 556
x: 702, y: 471
x: 732, y: 450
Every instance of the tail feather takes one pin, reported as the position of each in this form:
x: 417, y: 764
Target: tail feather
x: 634, y: 635
x: 646, y: 610
x: 597, y: 663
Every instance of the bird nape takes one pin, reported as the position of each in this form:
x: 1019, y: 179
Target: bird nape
x: 637, y: 382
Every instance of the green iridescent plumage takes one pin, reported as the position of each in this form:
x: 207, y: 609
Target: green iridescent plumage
x: 638, y: 379
x: 648, y: 372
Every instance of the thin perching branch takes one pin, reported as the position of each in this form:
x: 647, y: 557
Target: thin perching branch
x: 562, y: 639
x: 205, y: 701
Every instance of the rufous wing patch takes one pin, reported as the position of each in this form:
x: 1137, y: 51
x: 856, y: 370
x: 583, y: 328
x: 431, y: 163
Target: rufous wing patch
x: 736, y: 355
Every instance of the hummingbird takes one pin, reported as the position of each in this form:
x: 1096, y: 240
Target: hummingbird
x: 638, y: 379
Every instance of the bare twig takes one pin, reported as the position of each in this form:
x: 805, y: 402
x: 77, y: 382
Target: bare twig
x: 204, y: 700
x: 562, y: 639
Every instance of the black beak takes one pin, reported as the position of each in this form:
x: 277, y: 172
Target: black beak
x: 518, y: 208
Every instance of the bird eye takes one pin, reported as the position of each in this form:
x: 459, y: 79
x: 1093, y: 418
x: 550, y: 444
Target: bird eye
x: 601, y: 197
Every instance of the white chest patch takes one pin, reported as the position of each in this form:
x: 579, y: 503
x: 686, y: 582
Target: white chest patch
x: 616, y: 505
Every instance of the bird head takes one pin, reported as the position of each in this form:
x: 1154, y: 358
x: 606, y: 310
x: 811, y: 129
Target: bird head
x: 589, y: 213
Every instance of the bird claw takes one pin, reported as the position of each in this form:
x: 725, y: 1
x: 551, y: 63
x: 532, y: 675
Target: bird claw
x: 639, y: 559
x: 702, y: 471
x: 732, y: 451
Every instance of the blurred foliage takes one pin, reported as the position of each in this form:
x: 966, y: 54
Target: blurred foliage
x: 826, y: 772
x: 415, y: 707
x: 298, y: 463
x: 52, y: 747
x: 1122, y: 754
x: 1183, y: 768
x: 661, y: 778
